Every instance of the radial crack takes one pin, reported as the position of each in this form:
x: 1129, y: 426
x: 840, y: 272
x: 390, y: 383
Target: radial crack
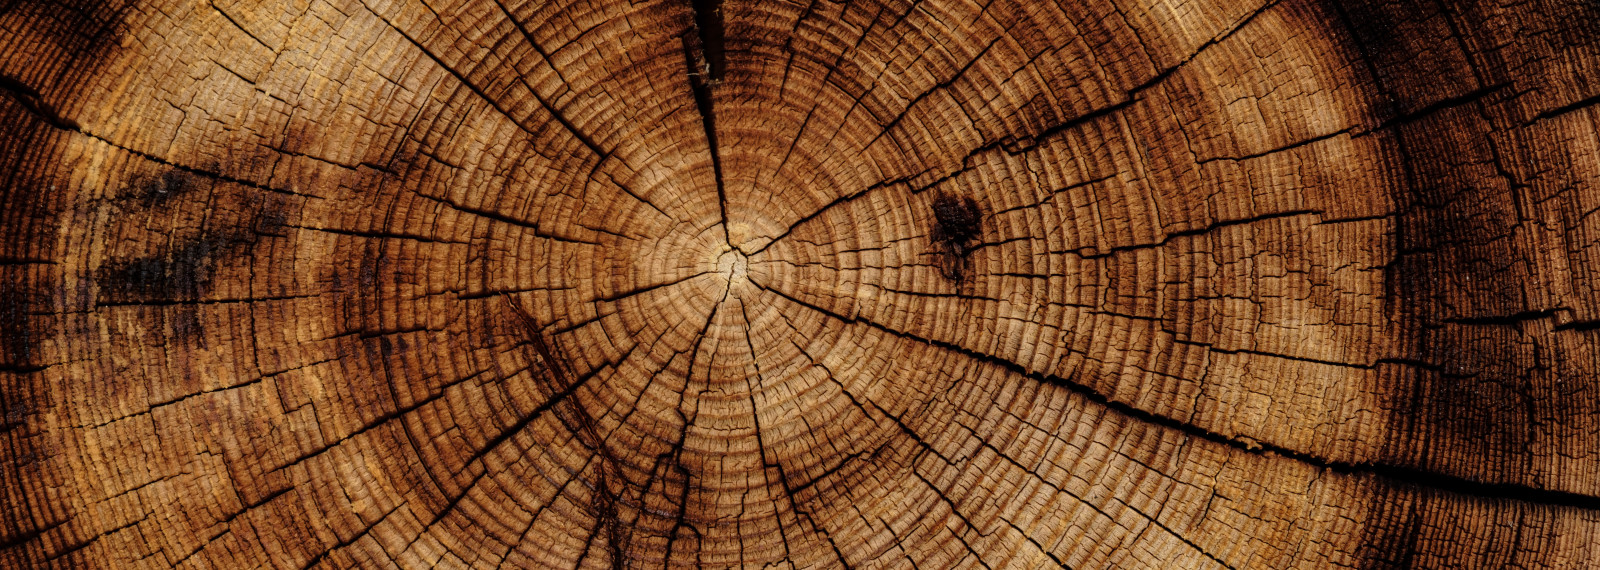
x: 1409, y: 475
x: 703, y: 55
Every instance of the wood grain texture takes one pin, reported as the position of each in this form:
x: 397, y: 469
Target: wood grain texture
x: 875, y: 284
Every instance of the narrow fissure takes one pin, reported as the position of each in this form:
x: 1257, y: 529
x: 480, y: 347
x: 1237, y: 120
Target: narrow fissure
x: 708, y: 22
x: 703, y: 54
x: 1401, y: 475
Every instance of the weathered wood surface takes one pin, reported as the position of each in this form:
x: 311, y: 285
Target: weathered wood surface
x: 369, y: 283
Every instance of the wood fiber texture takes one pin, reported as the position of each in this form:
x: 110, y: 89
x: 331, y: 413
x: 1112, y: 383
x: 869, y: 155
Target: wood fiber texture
x: 799, y: 283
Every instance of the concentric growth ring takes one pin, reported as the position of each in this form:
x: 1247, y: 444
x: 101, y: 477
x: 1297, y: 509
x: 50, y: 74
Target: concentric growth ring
x: 673, y: 283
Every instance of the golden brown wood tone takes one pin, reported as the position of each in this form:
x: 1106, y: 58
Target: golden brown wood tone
x: 877, y: 284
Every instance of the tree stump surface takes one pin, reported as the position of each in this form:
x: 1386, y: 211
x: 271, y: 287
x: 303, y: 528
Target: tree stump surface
x: 926, y: 284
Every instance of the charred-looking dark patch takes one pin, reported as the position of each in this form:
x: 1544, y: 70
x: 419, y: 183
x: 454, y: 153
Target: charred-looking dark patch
x: 212, y: 223
x: 178, y: 278
x: 957, y: 221
x: 182, y: 274
x: 159, y: 189
x: 956, y: 218
x: 273, y: 219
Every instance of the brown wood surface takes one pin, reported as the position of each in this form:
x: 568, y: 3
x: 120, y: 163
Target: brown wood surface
x: 801, y: 283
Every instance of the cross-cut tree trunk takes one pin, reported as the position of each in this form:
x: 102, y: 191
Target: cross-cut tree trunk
x: 935, y: 283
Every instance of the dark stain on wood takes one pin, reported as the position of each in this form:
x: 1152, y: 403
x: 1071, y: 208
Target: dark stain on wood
x: 182, y: 274
x: 957, y: 222
x: 159, y: 189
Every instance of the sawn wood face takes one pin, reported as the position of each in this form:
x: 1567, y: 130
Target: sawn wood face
x: 674, y: 283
